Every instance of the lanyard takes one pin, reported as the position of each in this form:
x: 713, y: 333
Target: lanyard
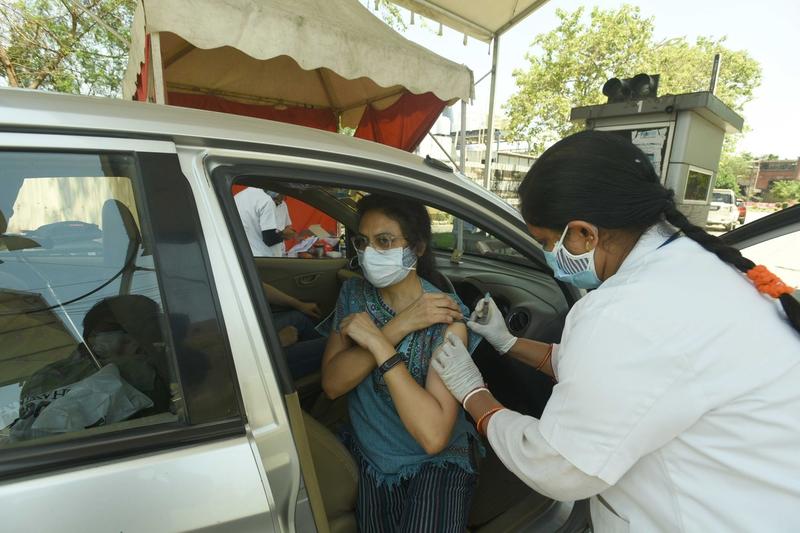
x: 671, y: 238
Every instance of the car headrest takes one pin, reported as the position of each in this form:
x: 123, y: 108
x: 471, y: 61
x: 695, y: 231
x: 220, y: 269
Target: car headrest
x: 135, y: 313
x: 121, y: 235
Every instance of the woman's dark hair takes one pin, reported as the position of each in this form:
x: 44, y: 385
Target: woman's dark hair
x: 415, y: 222
x: 603, y: 178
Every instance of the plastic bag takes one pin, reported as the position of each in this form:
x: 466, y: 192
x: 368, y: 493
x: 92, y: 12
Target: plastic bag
x: 100, y: 399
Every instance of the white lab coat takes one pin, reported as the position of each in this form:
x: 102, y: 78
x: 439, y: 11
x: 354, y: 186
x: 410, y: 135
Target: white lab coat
x: 257, y: 211
x: 678, y: 401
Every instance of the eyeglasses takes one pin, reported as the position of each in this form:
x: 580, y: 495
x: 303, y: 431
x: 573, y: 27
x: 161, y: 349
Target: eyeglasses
x: 382, y: 242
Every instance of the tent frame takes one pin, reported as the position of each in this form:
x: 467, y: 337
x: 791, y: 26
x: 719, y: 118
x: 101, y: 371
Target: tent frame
x: 474, y: 29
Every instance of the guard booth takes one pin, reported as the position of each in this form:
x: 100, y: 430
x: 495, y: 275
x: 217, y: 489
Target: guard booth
x: 681, y: 134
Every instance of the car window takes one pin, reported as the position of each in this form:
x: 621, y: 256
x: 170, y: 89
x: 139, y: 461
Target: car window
x: 781, y: 255
x: 303, y: 231
x: 722, y: 197
x: 82, y: 329
x: 446, y: 228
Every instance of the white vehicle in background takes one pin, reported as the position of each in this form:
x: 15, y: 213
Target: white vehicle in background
x: 723, y: 210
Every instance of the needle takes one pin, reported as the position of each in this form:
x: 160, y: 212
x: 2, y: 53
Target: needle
x: 483, y: 314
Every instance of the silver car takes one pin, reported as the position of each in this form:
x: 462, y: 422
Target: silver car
x: 143, y: 385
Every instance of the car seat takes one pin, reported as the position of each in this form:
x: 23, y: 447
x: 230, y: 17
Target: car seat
x: 337, y: 475
x: 121, y: 240
x: 13, y: 242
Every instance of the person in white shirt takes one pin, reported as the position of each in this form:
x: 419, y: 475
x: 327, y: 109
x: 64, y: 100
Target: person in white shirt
x: 283, y: 223
x: 257, y: 211
x: 670, y: 412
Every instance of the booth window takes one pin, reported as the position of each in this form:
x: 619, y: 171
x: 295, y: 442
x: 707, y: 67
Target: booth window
x: 698, y: 184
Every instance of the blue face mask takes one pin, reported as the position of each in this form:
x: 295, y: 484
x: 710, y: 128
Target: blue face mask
x: 577, y: 270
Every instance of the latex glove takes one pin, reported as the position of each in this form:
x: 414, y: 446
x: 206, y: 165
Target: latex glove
x: 494, y: 329
x: 454, y: 365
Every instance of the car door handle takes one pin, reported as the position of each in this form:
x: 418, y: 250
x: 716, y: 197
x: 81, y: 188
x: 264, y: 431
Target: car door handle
x: 306, y: 280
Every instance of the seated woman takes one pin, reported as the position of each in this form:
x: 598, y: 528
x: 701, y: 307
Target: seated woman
x: 410, y: 436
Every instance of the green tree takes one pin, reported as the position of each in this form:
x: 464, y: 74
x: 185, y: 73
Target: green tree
x: 568, y: 66
x: 74, y: 46
x: 734, y: 168
x: 785, y: 190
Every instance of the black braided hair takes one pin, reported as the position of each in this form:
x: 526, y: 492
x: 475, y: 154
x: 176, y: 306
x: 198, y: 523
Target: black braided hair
x: 603, y: 178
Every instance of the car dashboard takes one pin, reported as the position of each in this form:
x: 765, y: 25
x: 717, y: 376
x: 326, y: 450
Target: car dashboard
x: 534, y: 307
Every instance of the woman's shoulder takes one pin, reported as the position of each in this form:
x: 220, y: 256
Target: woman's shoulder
x: 427, y: 286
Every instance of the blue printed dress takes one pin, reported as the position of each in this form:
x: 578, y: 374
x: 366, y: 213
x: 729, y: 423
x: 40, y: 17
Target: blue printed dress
x: 380, y: 440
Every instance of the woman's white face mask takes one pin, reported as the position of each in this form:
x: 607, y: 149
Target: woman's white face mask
x: 386, y: 268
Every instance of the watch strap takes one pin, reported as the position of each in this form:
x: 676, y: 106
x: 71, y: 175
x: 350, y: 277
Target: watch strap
x: 390, y: 363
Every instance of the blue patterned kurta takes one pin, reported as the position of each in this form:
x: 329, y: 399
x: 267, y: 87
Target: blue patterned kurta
x: 381, y: 440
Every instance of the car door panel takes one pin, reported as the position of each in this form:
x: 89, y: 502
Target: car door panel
x: 174, y: 491
x: 773, y: 241
x: 763, y: 229
x: 162, y: 473
x: 309, y: 280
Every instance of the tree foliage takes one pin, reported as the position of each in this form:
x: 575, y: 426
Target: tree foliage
x: 734, y: 168
x: 785, y: 190
x: 74, y: 46
x: 568, y: 66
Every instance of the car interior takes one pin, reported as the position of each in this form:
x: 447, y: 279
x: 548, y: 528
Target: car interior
x: 62, y: 291
x: 535, y: 307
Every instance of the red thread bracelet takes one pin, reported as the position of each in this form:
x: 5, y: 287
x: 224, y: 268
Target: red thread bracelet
x: 486, y: 416
x: 547, y: 357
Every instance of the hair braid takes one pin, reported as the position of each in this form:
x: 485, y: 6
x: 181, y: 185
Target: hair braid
x: 728, y: 254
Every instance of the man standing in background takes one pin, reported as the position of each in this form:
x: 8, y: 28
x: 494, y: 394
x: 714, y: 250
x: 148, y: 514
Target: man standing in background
x: 283, y: 223
x: 257, y: 211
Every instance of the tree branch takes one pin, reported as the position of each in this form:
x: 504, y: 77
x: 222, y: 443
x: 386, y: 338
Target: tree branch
x: 11, y: 72
x: 40, y: 78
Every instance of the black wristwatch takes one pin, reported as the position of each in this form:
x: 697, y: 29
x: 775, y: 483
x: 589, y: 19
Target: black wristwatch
x: 390, y: 363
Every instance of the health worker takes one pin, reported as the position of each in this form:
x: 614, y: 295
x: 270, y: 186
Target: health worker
x: 677, y: 403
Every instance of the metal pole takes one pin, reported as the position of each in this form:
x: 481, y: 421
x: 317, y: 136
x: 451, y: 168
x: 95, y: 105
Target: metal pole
x: 432, y: 136
x: 463, y: 138
x: 490, y: 121
x: 462, y: 159
x: 158, y: 68
x: 715, y: 73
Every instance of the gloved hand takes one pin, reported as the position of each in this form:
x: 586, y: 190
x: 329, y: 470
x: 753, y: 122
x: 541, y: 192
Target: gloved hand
x: 454, y: 365
x: 494, y: 329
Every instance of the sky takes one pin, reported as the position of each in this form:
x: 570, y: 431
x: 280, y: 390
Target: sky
x: 766, y: 29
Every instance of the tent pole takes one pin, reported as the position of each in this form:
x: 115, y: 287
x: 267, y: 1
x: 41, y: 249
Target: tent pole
x: 158, y: 67
x: 463, y: 138
x: 490, y: 121
x: 462, y: 160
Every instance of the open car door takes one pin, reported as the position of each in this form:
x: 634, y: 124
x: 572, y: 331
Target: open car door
x: 773, y: 241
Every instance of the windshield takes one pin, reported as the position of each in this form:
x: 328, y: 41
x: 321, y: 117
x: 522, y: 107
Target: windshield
x: 722, y: 197
x: 445, y: 229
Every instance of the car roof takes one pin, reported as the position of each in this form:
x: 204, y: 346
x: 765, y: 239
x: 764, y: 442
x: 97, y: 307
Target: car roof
x: 32, y: 110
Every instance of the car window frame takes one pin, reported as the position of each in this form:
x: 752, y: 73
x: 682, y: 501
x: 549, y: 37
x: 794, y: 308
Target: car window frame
x: 297, y: 165
x: 157, y: 165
